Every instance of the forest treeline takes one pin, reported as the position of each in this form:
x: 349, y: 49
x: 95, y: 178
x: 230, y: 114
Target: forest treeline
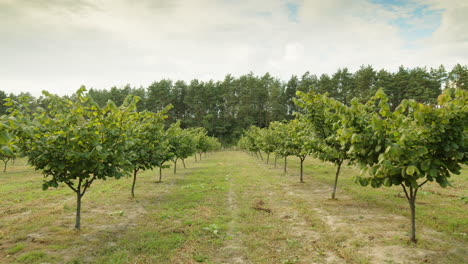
x: 225, y: 108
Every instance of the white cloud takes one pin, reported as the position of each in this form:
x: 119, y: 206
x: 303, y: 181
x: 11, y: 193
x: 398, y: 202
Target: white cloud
x: 100, y: 43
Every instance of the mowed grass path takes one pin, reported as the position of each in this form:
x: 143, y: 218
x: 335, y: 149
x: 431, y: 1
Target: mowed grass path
x: 229, y: 208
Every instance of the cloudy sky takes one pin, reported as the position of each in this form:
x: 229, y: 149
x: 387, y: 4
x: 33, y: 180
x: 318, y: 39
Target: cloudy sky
x: 58, y: 45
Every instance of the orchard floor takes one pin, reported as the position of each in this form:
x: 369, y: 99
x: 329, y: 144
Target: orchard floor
x: 230, y: 208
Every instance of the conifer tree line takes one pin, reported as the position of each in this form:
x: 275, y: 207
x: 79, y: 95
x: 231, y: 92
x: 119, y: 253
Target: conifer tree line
x: 406, y: 145
x: 226, y: 107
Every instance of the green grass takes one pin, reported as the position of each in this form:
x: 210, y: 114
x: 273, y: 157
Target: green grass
x: 16, y: 248
x: 229, y: 208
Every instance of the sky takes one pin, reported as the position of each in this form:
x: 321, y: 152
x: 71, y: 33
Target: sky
x: 59, y: 45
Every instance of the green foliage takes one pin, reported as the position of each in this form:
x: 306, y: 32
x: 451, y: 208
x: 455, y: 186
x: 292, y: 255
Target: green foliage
x: 8, y: 150
x: 299, y: 139
x: 250, y: 140
x: 410, y: 146
x: 322, y: 114
x: 283, y: 144
x: 415, y: 142
x: 74, y: 141
x: 148, y: 139
x: 182, y: 142
x: 227, y: 107
x: 203, y: 142
x: 148, y: 144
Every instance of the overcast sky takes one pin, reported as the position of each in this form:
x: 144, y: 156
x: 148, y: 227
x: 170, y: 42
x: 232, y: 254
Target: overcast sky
x: 58, y: 45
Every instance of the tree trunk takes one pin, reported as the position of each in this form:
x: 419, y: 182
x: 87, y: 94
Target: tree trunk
x: 276, y: 157
x: 135, y: 171
x: 175, y: 166
x: 183, y: 162
x: 336, y: 178
x: 4, y: 167
x: 268, y: 157
x: 411, y: 197
x: 200, y: 155
x: 260, y: 153
x: 195, y: 157
x: 413, y: 220
x: 256, y: 154
x: 78, y: 210
x: 160, y: 174
x: 78, y: 205
x: 302, y: 170
x: 285, y: 163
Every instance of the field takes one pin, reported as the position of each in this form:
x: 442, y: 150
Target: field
x: 230, y: 208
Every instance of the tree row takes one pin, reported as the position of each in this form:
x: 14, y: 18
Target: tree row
x: 76, y: 141
x: 408, y: 145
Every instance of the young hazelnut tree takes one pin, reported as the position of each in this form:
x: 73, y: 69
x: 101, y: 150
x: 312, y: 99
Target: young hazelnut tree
x: 323, y: 116
x: 410, y: 146
x: 74, y: 141
x: 148, y: 141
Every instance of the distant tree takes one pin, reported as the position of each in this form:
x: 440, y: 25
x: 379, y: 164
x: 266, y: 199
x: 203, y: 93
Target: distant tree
x: 458, y: 77
x: 147, y: 137
x: 290, y: 92
x: 159, y: 95
x: 323, y: 116
x: 364, y: 84
x: 3, y: 108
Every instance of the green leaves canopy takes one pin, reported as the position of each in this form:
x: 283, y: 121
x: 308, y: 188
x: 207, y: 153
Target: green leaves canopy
x: 415, y: 142
x: 75, y: 139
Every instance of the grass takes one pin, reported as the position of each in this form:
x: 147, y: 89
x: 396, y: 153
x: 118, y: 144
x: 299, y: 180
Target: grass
x: 442, y: 209
x: 229, y: 208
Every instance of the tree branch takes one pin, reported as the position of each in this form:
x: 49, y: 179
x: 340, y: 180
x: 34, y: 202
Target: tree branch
x: 420, y: 185
x: 87, y: 184
x: 71, y: 186
x: 406, y: 193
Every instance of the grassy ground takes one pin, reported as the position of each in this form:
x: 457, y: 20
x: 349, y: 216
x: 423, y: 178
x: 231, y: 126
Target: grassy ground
x: 229, y: 208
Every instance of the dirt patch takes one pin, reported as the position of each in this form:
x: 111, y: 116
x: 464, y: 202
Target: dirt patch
x: 260, y: 206
x: 397, y: 254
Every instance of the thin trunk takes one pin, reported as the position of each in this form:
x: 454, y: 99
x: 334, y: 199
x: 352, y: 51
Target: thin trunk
x: 183, y: 162
x: 276, y: 158
x: 256, y: 154
x: 336, y: 178
x: 411, y: 197
x: 175, y: 166
x: 302, y: 170
x: 78, y: 211
x: 135, y: 171
x: 200, y: 155
x: 260, y: 153
x: 4, y: 167
x: 413, y: 220
x: 160, y: 174
x: 78, y: 205
x: 268, y: 157
x: 285, y: 163
x: 195, y: 157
